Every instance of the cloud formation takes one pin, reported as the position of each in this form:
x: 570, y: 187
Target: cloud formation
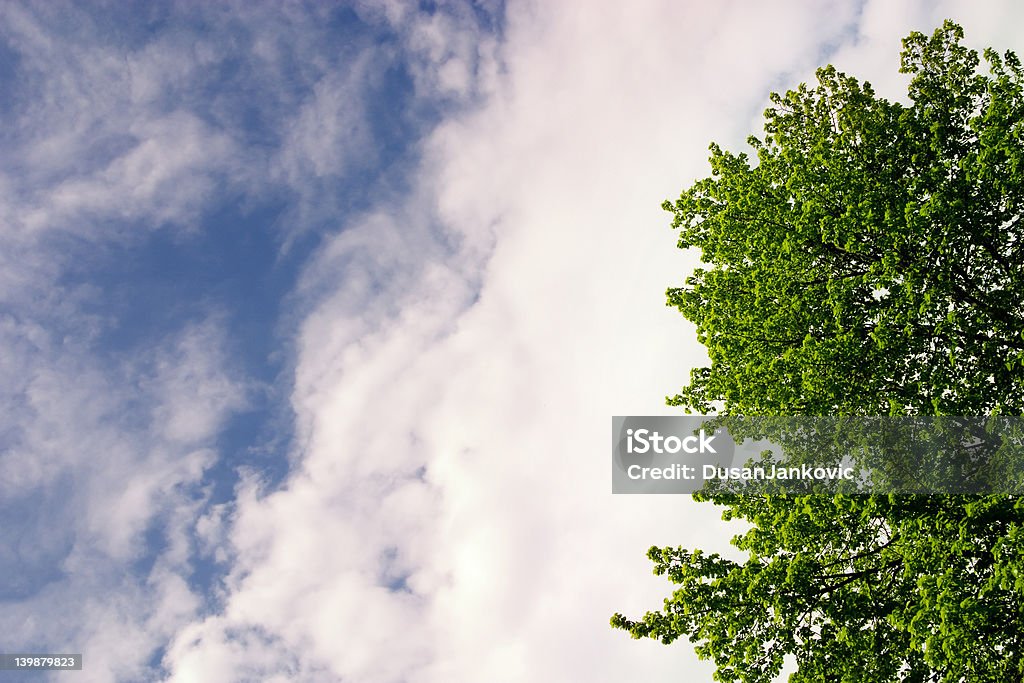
x: 453, y: 385
x: 111, y: 425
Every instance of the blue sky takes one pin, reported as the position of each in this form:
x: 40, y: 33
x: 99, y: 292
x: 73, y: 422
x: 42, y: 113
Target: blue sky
x: 313, y: 315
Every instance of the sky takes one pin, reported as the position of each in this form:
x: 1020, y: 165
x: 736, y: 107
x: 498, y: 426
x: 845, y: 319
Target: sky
x: 313, y: 317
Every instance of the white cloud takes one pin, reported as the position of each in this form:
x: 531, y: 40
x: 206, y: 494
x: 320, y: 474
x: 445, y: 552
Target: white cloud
x: 96, y: 458
x: 104, y: 452
x: 194, y: 393
x: 450, y: 517
x: 329, y: 134
x: 164, y: 178
x: 95, y: 124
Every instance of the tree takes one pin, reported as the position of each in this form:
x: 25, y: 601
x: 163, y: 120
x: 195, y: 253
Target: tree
x: 867, y: 262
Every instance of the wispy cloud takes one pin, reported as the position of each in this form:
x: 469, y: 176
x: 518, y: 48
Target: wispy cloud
x: 117, y: 456
x: 104, y: 449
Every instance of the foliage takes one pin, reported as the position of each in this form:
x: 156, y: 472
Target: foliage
x: 869, y: 261
x: 870, y: 588
x: 920, y: 454
x: 866, y: 263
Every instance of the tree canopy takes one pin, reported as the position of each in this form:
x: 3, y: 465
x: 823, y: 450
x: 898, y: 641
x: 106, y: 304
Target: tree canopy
x: 869, y: 261
x: 865, y: 261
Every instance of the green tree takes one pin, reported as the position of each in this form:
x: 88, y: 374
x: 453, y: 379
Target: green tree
x: 867, y: 262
